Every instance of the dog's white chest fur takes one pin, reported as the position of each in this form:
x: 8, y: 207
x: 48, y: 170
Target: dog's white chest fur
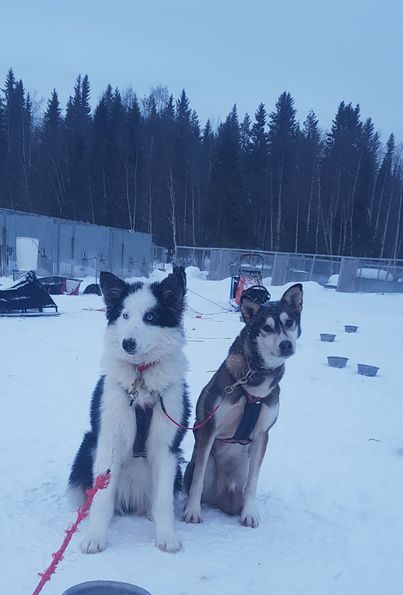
x: 228, y: 417
x: 263, y: 390
x: 267, y: 417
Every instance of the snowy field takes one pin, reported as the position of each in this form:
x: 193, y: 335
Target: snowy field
x: 331, y: 488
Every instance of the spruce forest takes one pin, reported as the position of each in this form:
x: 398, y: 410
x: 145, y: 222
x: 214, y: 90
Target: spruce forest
x: 267, y: 181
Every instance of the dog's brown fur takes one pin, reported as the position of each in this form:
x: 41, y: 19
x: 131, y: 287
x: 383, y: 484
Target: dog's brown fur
x: 225, y: 475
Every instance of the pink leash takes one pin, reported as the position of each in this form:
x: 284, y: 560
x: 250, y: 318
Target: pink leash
x: 100, y: 483
x: 196, y: 426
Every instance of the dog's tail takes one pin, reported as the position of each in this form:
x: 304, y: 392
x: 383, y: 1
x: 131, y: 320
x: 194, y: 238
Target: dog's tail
x: 187, y: 478
x: 81, y: 475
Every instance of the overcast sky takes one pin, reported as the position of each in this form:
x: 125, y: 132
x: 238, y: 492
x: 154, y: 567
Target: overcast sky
x: 222, y: 52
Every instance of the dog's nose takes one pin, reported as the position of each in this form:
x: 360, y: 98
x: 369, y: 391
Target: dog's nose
x: 129, y: 345
x: 285, y: 348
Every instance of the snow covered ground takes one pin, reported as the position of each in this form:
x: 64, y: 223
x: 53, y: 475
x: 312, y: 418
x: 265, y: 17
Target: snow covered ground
x: 331, y: 487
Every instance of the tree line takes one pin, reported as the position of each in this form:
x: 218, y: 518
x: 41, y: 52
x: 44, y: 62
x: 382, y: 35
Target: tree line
x: 147, y: 164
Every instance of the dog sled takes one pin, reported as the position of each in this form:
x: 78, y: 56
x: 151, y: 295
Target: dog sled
x: 250, y: 273
x: 28, y: 297
x: 61, y: 285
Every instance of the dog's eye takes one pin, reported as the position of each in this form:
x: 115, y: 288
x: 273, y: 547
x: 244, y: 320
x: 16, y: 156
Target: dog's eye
x: 150, y: 317
x: 267, y: 328
x: 289, y: 323
x: 125, y: 315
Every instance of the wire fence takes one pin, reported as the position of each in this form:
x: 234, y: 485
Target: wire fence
x: 160, y: 257
x: 347, y: 274
x: 78, y: 249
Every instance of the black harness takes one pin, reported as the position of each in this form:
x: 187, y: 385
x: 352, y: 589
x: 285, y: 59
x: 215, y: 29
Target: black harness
x: 250, y: 415
x: 144, y: 414
x: 143, y: 420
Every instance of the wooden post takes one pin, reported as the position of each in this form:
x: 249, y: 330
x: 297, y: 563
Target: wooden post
x: 347, y: 275
x: 279, y: 272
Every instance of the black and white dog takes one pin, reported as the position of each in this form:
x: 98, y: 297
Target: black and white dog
x: 230, y: 447
x: 143, y: 373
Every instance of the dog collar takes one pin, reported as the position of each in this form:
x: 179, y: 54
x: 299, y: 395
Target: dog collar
x: 139, y: 381
x: 142, y: 367
x: 245, y: 379
x: 252, y: 399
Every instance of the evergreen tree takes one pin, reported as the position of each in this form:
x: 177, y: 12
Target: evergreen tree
x: 383, y: 186
x: 52, y: 119
x: 51, y: 162
x: 341, y: 171
x: 195, y: 125
x: 100, y: 158
x: 368, y: 152
x: 183, y: 111
x: 119, y: 214
x: 85, y: 108
x: 179, y: 178
x: 18, y: 122
x: 77, y: 136
x: 259, y: 178
x: 385, y: 190
x: 133, y: 159
x: 150, y: 166
x: 169, y: 111
x: 3, y: 154
x: 245, y: 133
x: 310, y: 208
x: 226, y: 215
x: 205, y: 169
x: 282, y: 136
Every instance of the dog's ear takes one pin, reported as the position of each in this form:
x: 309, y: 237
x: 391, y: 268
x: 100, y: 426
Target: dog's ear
x: 173, y: 288
x: 249, y: 311
x: 113, y: 288
x: 293, y: 297
x: 179, y: 270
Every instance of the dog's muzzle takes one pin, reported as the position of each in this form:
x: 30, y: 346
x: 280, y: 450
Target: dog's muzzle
x: 286, y: 348
x: 129, y: 345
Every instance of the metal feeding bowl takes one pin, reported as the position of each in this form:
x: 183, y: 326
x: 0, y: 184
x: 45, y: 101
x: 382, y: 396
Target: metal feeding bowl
x: 350, y: 328
x: 328, y: 337
x: 366, y: 370
x: 337, y: 362
x: 105, y: 588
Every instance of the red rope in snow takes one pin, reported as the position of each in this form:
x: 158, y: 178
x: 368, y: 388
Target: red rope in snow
x: 100, y: 483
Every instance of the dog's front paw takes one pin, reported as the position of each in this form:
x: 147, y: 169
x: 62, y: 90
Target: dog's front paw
x: 192, y: 514
x: 249, y: 518
x: 168, y: 543
x: 92, y: 544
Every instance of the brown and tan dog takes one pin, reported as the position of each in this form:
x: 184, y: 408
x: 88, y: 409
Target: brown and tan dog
x: 230, y: 447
